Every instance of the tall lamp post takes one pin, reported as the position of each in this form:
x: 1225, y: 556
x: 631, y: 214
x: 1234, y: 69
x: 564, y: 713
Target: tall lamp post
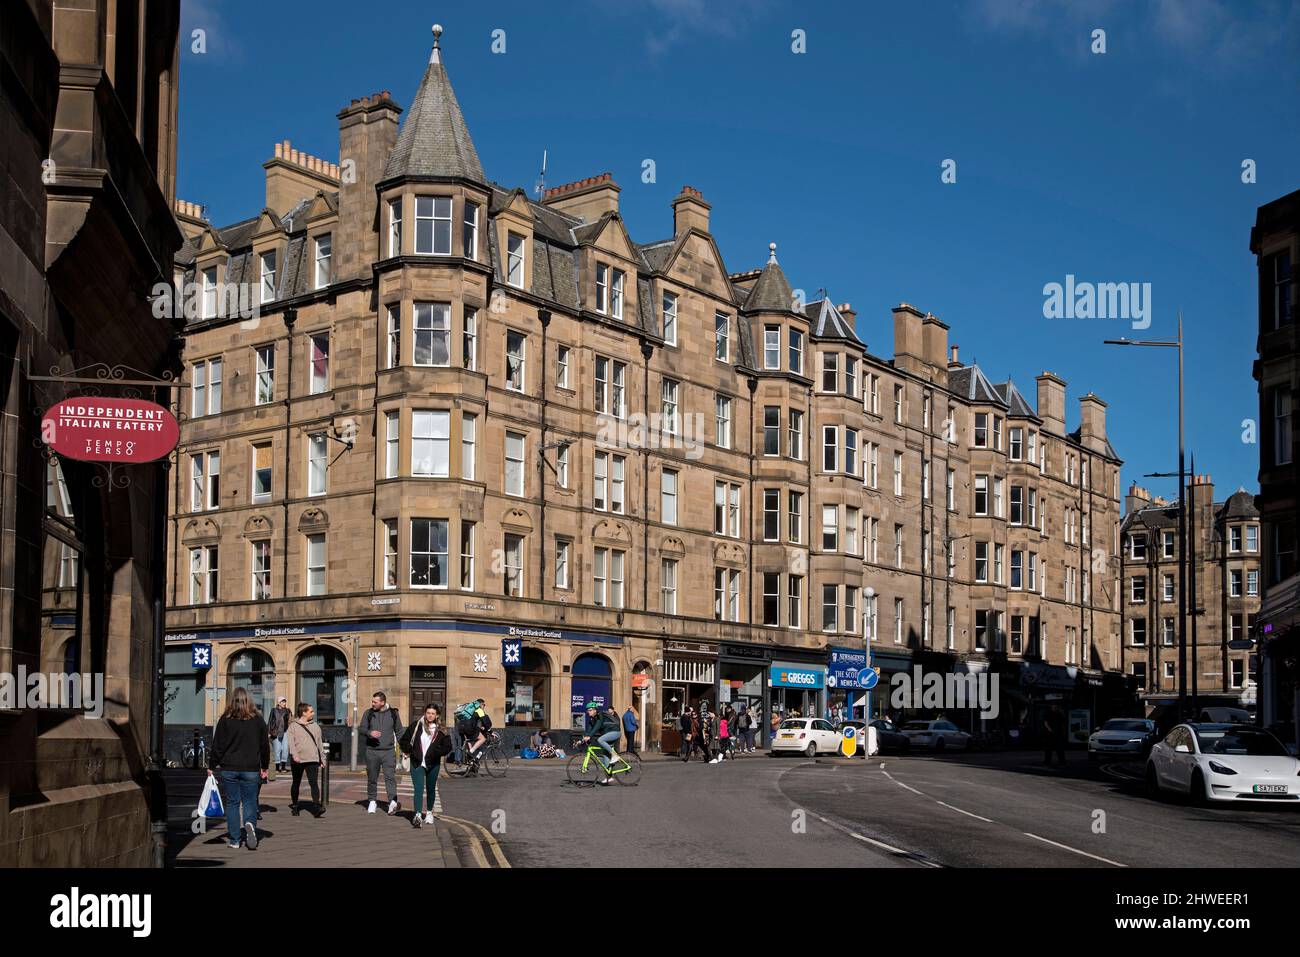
x: 1182, y: 509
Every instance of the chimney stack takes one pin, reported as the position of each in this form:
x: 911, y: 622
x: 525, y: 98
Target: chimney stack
x: 690, y: 211
x: 954, y: 362
x: 934, y: 341
x: 1092, y: 423
x: 1136, y: 498
x: 292, y: 176
x: 367, y: 134
x: 1051, y: 402
x: 588, y: 199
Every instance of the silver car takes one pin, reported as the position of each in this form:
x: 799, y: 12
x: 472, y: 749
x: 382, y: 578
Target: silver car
x: 1123, y: 736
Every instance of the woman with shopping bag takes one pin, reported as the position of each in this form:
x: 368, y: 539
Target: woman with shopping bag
x: 241, y: 748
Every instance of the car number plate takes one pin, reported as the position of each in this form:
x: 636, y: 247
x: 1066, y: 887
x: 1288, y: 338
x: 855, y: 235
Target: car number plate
x: 787, y: 735
x: 1269, y: 789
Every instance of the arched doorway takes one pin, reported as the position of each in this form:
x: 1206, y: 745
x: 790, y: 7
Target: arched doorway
x: 322, y: 676
x: 528, y: 691
x: 253, y: 670
x: 643, y: 699
x: 592, y: 681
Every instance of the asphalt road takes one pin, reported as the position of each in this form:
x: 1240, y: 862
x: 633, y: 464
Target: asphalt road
x: 979, y: 810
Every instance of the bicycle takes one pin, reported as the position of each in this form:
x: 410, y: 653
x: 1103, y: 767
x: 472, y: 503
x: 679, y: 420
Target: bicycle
x: 492, y: 759
x: 188, y: 756
x: 589, y: 766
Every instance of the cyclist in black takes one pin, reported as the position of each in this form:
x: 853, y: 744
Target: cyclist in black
x: 473, y: 731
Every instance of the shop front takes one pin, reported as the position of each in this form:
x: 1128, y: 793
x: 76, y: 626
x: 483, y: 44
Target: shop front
x: 742, y: 683
x: 846, y: 696
x: 889, y: 663
x: 797, y: 689
x: 689, y: 680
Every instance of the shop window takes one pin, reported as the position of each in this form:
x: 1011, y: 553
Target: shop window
x: 183, y: 688
x: 592, y: 676
x: 528, y: 691
x: 322, y: 677
x: 253, y: 670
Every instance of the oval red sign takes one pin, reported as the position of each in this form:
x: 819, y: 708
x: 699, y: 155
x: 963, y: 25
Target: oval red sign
x: 94, y: 429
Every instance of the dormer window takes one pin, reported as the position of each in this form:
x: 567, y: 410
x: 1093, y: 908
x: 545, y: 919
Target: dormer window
x: 324, y: 246
x: 210, y: 292
x: 268, y: 275
x: 395, y: 227
x: 616, y: 295
x: 721, y: 337
x: 515, y: 260
x: 433, y: 225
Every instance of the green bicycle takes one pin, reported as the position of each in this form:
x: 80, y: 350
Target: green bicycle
x: 592, y: 766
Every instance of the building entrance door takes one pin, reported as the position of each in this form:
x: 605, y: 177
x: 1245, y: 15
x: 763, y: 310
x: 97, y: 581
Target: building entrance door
x: 429, y: 686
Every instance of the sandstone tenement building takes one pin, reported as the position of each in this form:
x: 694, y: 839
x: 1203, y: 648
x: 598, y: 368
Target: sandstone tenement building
x: 1226, y: 562
x: 465, y: 416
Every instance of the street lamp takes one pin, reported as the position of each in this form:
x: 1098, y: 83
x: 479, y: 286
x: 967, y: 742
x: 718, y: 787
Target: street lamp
x: 1182, y: 509
x: 868, y: 599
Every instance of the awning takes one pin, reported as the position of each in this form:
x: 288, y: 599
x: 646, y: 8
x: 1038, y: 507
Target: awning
x: 1279, y: 609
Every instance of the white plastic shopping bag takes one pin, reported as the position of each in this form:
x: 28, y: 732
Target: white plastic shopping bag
x: 210, y: 800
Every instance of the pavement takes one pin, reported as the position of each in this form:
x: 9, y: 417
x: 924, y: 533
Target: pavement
x: 345, y: 836
x: 984, y: 809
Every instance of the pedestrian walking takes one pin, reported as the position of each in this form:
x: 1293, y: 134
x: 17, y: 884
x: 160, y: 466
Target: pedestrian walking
x: 382, y: 729
x: 1054, y: 735
x: 700, y: 737
x: 277, y: 726
x: 724, y: 739
x: 427, y: 742
x: 746, y: 723
x: 241, y: 749
x: 684, y: 724
x: 306, y: 755
x: 630, y: 728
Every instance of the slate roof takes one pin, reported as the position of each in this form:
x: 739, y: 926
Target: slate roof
x: 1012, y: 398
x: 827, y: 323
x: 772, y: 292
x: 972, y: 384
x: 434, y: 140
x: 1240, y: 504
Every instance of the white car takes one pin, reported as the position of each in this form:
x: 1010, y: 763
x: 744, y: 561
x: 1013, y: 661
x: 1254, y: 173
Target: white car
x: 939, y: 735
x: 1223, y: 762
x: 807, y: 736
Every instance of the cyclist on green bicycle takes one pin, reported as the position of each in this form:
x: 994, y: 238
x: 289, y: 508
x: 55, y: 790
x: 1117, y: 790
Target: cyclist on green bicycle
x: 603, y: 729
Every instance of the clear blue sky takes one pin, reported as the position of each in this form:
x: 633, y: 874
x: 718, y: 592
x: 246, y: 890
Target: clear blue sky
x: 1118, y: 167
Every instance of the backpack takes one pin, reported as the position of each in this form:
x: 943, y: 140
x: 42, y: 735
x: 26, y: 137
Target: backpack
x: 466, y: 711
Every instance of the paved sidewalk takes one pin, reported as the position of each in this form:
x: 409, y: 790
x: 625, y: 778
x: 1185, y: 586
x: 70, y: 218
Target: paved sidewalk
x: 345, y: 836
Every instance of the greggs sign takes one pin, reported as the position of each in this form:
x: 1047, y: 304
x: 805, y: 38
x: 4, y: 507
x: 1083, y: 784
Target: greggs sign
x: 94, y: 429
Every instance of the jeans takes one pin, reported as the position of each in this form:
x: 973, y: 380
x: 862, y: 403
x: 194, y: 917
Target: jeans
x: 308, y: 768
x: 239, y: 788
x: 631, y: 740
x: 610, y: 740
x: 377, y: 758
x: 418, y: 778
x: 280, y: 749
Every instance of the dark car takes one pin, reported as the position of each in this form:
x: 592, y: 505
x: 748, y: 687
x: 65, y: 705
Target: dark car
x: 1123, y: 736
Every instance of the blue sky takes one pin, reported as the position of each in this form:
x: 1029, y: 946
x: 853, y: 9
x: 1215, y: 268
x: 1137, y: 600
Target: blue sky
x: 1115, y: 167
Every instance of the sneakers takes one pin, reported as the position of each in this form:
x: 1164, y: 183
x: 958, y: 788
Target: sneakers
x: 416, y: 820
x: 370, y: 809
x: 394, y: 806
x: 250, y: 836
x: 428, y: 817
x: 294, y: 809
x: 233, y: 845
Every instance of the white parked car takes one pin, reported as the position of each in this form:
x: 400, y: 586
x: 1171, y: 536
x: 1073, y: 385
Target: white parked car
x: 939, y: 735
x: 807, y: 736
x: 1223, y: 762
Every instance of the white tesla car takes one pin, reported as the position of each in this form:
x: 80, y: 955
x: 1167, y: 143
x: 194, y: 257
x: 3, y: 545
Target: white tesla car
x: 938, y: 735
x: 1223, y: 762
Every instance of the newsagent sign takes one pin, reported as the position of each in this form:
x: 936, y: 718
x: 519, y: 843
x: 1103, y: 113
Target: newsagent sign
x: 95, y: 429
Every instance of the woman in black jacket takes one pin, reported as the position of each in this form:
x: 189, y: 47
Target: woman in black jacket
x: 241, y: 748
x: 427, y: 742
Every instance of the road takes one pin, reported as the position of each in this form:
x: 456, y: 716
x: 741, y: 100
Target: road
x: 979, y: 810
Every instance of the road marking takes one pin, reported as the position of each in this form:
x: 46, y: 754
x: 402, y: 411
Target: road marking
x: 967, y: 813
x: 1074, y: 850
x: 910, y: 855
x: 487, y: 838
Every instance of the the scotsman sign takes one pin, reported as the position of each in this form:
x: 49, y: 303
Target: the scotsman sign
x: 94, y: 429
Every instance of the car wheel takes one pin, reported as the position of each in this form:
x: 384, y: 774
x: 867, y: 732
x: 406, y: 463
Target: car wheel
x: 1196, y: 793
x: 1152, y: 782
x: 811, y: 750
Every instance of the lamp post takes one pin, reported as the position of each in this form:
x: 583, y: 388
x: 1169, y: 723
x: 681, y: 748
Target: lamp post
x: 869, y: 598
x: 1182, y: 510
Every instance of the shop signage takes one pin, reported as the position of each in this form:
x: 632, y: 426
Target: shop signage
x: 844, y: 667
x: 358, y: 626
x: 640, y: 681
x: 691, y: 647
x: 512, y: 650
x: 1044, y: 677
x: 791, y: 676
x: 95, y: 429
x: 743, y: 651
x: 201, y: 654
x: 589, y: 689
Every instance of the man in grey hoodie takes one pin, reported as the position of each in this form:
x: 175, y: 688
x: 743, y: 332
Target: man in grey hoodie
x: 382, y: 729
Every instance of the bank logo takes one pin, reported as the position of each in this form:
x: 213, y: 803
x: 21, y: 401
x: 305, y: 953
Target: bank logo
x: 75, y: 910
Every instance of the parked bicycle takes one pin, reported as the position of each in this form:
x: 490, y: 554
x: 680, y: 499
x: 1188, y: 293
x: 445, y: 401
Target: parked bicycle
x: 593, y: 765
x: 189, y: 754
x: 492, y: 759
